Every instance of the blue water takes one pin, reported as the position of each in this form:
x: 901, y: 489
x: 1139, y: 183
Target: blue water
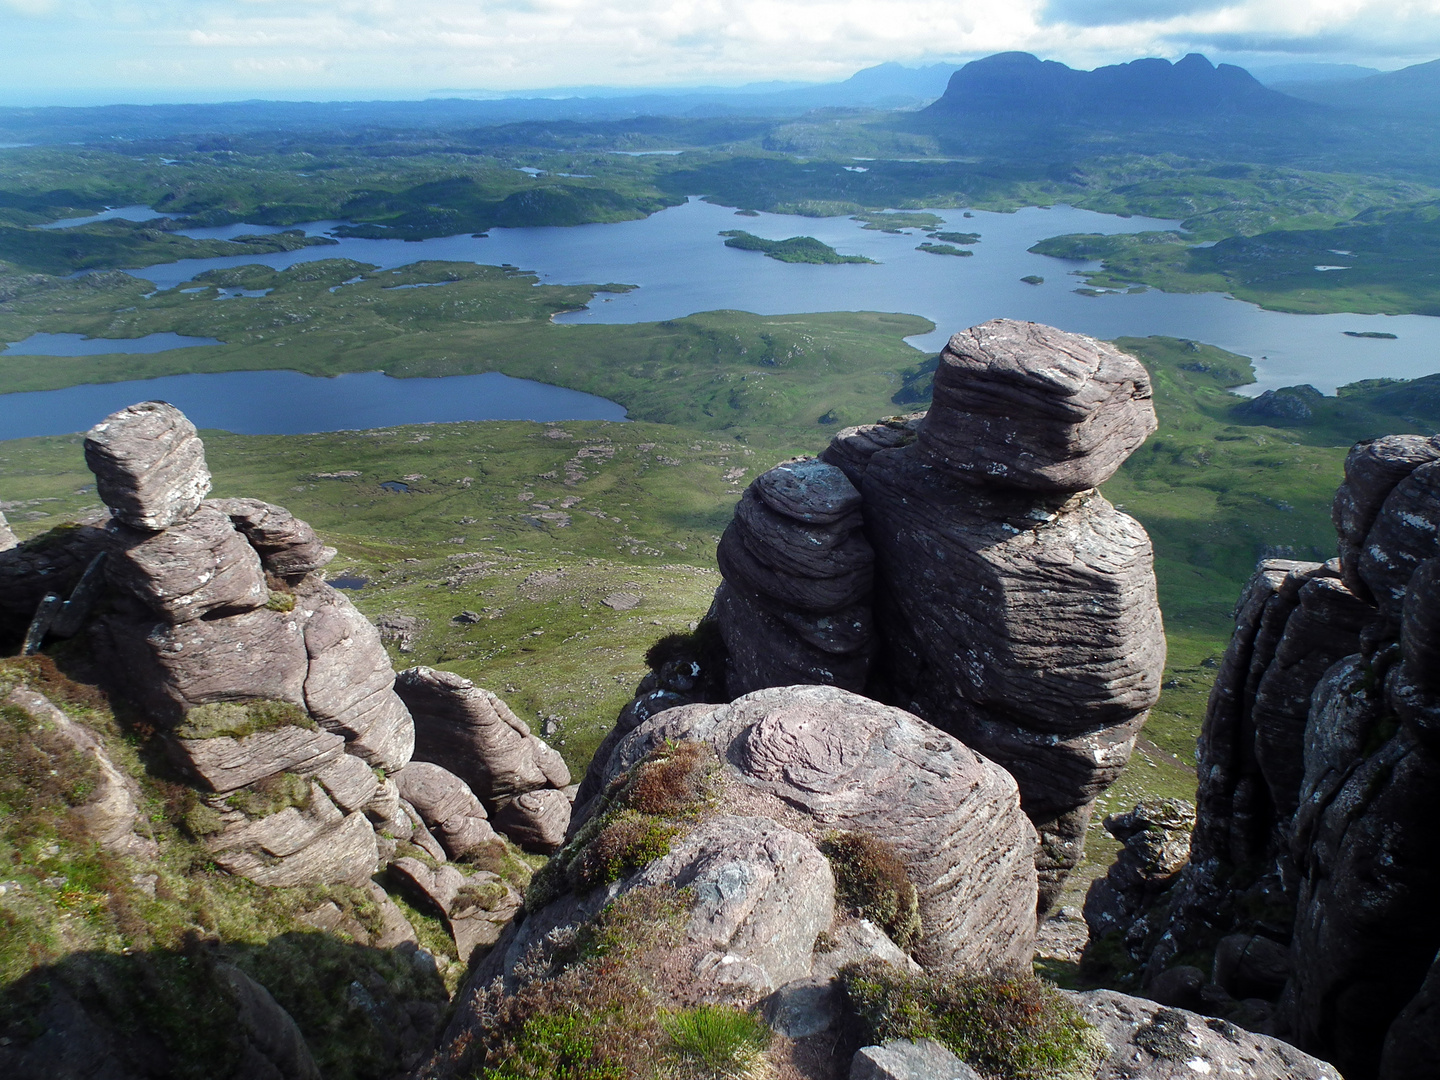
x: 124, y: 213
x: 681, y: 267
x: 289, y: 403
x: 80, y: 345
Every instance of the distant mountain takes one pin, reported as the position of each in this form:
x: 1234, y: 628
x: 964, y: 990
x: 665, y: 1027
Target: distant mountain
x: 1020, y: 86
x: 1411, y: 91
x: 1281, y: 76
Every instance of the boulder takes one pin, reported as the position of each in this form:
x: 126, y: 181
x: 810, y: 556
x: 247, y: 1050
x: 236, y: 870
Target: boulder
x: 1372, y: 469
x: 1022, y: 405
x: 271, y: 1046
x: 287, y: 546
x: 1248, y: 965
x: 1146, y: 1040
x: 447, y: 806
x: 805, y: 1007
x: 909, y: 1059
x: 198, y: 567
x: 149, y: 465
x: 352, y: 785
x: 859, y: 765
x: 224, y: 764
x: 537, y: 819
x: 1156, y: 839
x: 349, y: 683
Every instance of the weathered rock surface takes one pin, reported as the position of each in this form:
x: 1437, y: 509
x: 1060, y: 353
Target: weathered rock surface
x: 1372, y: 469
x: 1403, y: 536
x: 1022, y: 405
x: 286, y: 545
x: 1156, y: 835
x: 349, y: 683
x: 909, y: 1059
x: 477, y: 906
x: 517, y: 776
x: 798, y: 576
x: 1147, y: 1041
x: 224, y: 764
x: 271, y: 1046
x: 312, y: 846
x: 852, y: 448
x: 50, y: 563
x: 8, y: 538
x: 149, y: 465
x: 855, y: 764
x: 447, y: 806
x: 351, y: 785
x: 198, y: 567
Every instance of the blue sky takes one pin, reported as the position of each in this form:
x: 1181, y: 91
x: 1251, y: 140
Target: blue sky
x: 72, y: 51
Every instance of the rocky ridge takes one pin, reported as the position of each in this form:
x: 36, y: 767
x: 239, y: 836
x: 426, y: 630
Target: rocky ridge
x: 1309, y: 871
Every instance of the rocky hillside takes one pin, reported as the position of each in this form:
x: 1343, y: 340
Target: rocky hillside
x: 813, y: 846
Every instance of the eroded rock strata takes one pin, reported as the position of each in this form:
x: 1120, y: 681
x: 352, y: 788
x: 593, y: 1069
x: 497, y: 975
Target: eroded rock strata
x: 1310, y: 872
x: 960, y: 564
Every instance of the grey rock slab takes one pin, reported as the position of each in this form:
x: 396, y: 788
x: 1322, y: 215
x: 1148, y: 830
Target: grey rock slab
x: 349, y: 683
x: 537, y: 819
x: 350, y: 783
x: 852, y: 448
x: 909, y: 1059
x: 762, y: 892
x: 287, y: 546
x: 1406, y: 532
x: 481, y: 912
x: 1023, y: 405
x: 395, y: 928
x: 805, y: 1007
x: 447, y: 806
x: 149, y: 465
x: 808, y: 489
x: 1149, y: 1041
x: 769, y: 647
x: 198, y: 567
x: 224, y: 764
x: 436, y: 887
x: 855, y: 941
x: 294, y: 848
x: 951, y: 815
x: 475, y: 734
x: 1372, y: 469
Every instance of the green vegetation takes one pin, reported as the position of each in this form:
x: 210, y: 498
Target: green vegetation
x: 899, y: 221
x: 1007, y: 1025
x: 797, y: 249
x: 956, y: 237
x: 110, y: 244
x: 943, y: 249
x: 871, y: 880
x: 1033, y: 279
x: 716, y: 1042
x: 238, y: 719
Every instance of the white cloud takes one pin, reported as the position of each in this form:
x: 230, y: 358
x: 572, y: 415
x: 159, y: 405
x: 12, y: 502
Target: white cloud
x: 395, y: 45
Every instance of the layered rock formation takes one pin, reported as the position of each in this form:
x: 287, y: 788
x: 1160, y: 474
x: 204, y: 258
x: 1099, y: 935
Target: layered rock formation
x: 1309, y: 874
x: 991, y: 591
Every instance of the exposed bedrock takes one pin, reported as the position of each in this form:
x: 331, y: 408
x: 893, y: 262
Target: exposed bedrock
x: 522, y: 781
x: 852, y: 763
x: 1372, y: 469
x: 795, y: 606
x: 992, y: 590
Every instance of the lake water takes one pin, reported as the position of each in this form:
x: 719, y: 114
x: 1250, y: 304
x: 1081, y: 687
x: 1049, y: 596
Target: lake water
x: 80, y: 345
x: 289, y: 403
x: 681, y: 267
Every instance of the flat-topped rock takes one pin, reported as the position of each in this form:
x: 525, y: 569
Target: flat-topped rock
x: 149, y: 465
x: 1024, y: 405
x: 808, y: 490
x: 224, y: 764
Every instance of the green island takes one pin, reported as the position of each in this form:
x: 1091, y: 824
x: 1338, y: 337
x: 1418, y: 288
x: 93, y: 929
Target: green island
x: 797, y: 249
x: 956, y: 237
x: 943, y: 249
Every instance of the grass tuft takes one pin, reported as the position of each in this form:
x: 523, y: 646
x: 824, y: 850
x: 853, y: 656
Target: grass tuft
x: 872, y: 881
x: 716, y: 1042
x: 240, y: 718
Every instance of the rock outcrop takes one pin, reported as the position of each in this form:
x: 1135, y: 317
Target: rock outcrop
x: 991, y: 591
x: 1309, y: 872
x: 521, y: 780
x: 149, y: 465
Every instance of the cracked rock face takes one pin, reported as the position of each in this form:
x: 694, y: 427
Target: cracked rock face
x: 149, y: 465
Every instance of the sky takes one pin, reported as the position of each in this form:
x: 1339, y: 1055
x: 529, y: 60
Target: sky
x: 97, y: 51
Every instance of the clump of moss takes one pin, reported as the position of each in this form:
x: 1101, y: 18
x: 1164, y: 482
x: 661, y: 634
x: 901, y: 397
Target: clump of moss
x: 272, y: 794
x: 280, y: 601
x: 872, y: 881
x: 1007, y: 1025
x: 240, y: 718
x: 634, y: 823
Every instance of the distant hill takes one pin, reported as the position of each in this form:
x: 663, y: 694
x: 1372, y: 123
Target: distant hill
x: 1282, y: 76
x: 1411, y: 91
x: 1020, y: 85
